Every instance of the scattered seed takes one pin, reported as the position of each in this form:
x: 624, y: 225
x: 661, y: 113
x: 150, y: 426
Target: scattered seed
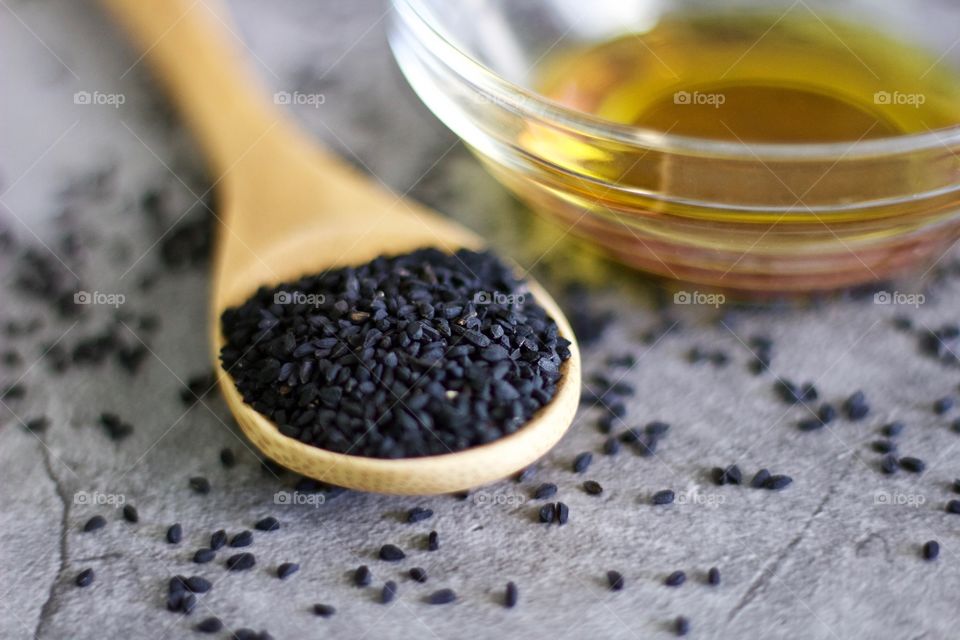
x: 681, y: 626
x: 663, y: 497
x: 856, y: 406
x: 826, y: 413
x: 760, y: 479
x: 324, y: 610
x: 174, y: 534
x: 931, y: 549
x: 218, y: 539
x: 362, y: 576
x: 778, y: 482
x: 197, y: 584
x: 563, y: 513
x: 242, y: 539
x: 94, y: 524
x: 953, y: 506
x: 188, y: 603
x: 510, y: 596
x: 209, y: 625
x: 130, y: 514
x: 893, y: 429
x: 611, y: 446
x: 433, y: 541
x: 227, y: 458
x: 418, y: 574
x: 287, y: 569
x: 810, y: 424
x: 884, y: 446
x: 713, y: 576
x: 615, y: 580
x: 730, y: 475
x: 203, y: 556
x: 442, y: 596
x: 389, y: 592
x: 544, y: 491
x: 913, y: 465
x: 268, y: 523
x: 241, y: 562
x: 391, y: 553
x: 547, y: 513
x: 582, y: 462
x: 526, y: 474
x: 943, y: 405
x: 889, y: 464
x: 200, y: 485
x: 592, y: 487
x: 85, y: 578
x: 418, y: 514
x: 675, y: 579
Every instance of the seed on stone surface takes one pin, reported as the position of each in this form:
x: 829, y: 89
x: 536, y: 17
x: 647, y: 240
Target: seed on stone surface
x: 526, y: 474
x: 197, y: 584
x: 511, y: 595
x: 419, y: 514
x: 200, y: 485
x: 433, y: 541
x: 442, y: 596
x: 582, y: 462
x: 242, y: 539
x: 760, y: 478
x: 675, y: 579
x: 324, y: 610
x: 175, y: 601
x: 666, y: 496
x: 713, y: 576
x: 130, y: 513
x: 826, y: 413
x: 227, y: 458
x: 246, y: 634
x: 953, y: 506
x: 287, y: 569
x: 547, y: 513
x: 85, y: 578
x: 730, y: 475
x: 95, y: 523
x: 188, y: 603
x: 418, y: 574
x: 810, y: 424
x: 209, y: 625
x: 544, y: 491
x: 893, y: 429
x: 943, y: 405
x: 956, y: 485
x: 931, y: 549
x: 268, y: 523
x: 778, y: 482
x: 913, y: 465
x: 884, y: 446
x: 615, y: 580
x: 611, y: 446
x: 681, y: 626
x: 856, y: 406
x: 218, y: 539
x: 362, y: 576
x: 391, y: 553
x: 241, y: 562
x: 563, y: 513
x: 592, y: 487
x: 889, y: 464
x: 202, y: 556
x: 389, y: 592
x: 174, y: 533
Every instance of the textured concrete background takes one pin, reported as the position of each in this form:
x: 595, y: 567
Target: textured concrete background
x: 836, y: 555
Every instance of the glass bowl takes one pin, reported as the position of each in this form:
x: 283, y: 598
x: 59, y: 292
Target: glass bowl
x: 756, y: 218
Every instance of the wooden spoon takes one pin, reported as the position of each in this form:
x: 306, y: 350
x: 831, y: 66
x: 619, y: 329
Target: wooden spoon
x: 288, y: 209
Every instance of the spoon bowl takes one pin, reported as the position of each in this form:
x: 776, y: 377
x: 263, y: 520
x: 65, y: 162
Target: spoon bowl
x: 288, y: 209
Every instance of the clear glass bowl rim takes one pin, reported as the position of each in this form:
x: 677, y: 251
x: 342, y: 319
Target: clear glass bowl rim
x: 532, y: 104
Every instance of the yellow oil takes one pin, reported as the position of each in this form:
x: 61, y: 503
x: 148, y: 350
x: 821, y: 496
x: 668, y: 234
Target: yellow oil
x: 758, y: 78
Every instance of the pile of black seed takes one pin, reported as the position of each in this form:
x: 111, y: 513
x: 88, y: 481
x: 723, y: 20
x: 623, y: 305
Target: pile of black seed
x: 420, y: 354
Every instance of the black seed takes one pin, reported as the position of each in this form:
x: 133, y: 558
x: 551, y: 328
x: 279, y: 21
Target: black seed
x: 324, y: 610
x: 884, y: 446
x: 130, y: 513
x: 188, y: 603
x: 362, y: 576
x: 563, y: 513
x: 611, y: 446
x: 433, y: 541
x: 389, y: 592
x: 615, y: 580
x: 203, y: 556
x: 200, y: 485
x: 175, y: 601
x: 510, y: 596
x: 246, y: 634
x: 526, y: 474
x: 675, y: 579
x: 713, y: 576
x: 197, y: 584
x: 267, y: 524
x: 955, y: 425
x: 889, y: 464
x: 227, y: 458
x: 730, y: 475
x: 241, y: 562
x: 177, y: 584
x: 95, y: 523
x: 174, y: 534
x: 209, y: 625
x: 242, y: 539
x: 592, y: 487
x: 856, y: 406
x: 665, y: 496
x: 582, y: 462
x: 84, y: 578
x: 442, y: 596
x: 418, y: 574
x: 943, y: 405
x: 826, y: 413
x: 547, y: 513
x: 681, y: 626
x: 760, y: 479
x: 544, y: 491
x: 391, y: 553
x: 931, y: 549
x: 810, y: 424
x: 287, y: 569
x: 218, y: 539
x: 778, y: 482
x: 913, y: 465
x: 953, y: 506
x: 418, y: 514
x: 893, y: 429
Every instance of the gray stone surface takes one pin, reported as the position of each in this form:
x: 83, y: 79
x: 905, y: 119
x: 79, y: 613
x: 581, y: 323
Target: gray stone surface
x: 836, y: 555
